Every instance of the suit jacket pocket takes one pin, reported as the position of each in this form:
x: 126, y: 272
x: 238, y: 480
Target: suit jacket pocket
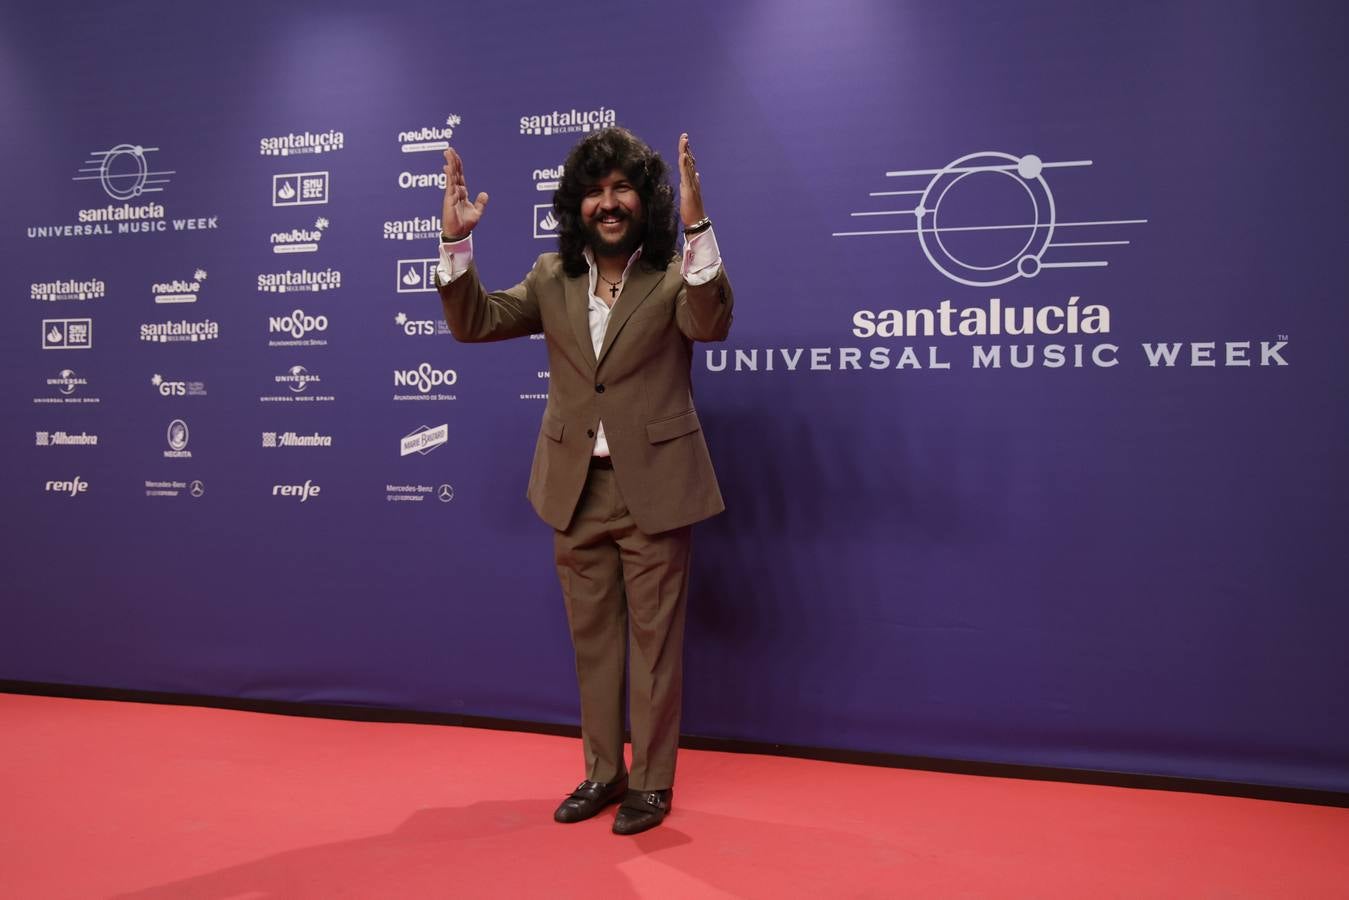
x: 673, y: 427
x: 552, y: 427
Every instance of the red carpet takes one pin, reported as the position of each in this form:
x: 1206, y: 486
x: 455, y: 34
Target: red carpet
x: 130, y: 800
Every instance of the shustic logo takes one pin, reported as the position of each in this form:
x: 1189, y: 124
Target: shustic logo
x: 304, y: 491
x: 423, y: 440
x: 124, y: 171
x: 300, y: 189
x: 181, y: 331
x: 569, y: 121
x: 73, y: 488
x: 298, y: 325
x: 299, y: 280
x: 278, y: 440
x: 415, y: 275
x: 177, y: 436
x: 426, y: 378
x: 545, y: 223
x: 179, y: 290
x: 429, y: 137
x: 420, y: 327
x: 304, y: 142
x: 71, y: 289
x: 67, y: 334
x: 988, y: 218
x: 300, y: 240
x: 168, y: 388
x: 65, y: 439
x: 412, y: 229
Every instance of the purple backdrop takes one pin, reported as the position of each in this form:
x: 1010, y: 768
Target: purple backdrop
x: 1031, y: 426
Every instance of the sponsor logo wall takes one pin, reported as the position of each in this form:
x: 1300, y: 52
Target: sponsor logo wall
x: 1020, y: 354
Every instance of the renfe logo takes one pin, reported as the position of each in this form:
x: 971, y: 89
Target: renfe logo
x: 73, y: 488
x: 303, y: 491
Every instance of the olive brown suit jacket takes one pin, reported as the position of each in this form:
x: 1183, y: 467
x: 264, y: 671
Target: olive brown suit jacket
x: 639, y: 385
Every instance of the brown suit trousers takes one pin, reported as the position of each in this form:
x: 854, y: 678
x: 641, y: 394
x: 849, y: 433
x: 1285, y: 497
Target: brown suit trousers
x: 622, y: 537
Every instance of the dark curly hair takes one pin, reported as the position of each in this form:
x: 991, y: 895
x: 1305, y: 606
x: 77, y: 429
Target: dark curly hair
x: 595, y: 156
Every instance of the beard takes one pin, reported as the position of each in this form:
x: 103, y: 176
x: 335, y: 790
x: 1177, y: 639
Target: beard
x: 622, y: 246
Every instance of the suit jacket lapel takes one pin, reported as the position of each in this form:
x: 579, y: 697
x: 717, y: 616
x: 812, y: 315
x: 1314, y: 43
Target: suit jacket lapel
x: 577, y: 296
x: 641, y: 282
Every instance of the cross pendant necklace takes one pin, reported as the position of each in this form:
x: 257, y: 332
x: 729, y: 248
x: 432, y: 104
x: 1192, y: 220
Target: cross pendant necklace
x: 613, y: 285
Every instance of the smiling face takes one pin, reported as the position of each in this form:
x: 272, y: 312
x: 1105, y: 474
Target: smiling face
x: 611, y: 211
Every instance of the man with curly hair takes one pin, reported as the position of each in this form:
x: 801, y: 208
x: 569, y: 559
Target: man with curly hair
x: 621, y: 469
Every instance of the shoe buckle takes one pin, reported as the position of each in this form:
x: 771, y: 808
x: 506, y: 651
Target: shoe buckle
x: 653, y: 799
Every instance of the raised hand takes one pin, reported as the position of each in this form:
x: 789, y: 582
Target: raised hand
x: 458, y: 216
x: 690, y: 190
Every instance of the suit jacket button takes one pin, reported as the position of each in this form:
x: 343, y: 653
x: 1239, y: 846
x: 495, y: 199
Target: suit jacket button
x: 599, y: 389
x: 590, y: 432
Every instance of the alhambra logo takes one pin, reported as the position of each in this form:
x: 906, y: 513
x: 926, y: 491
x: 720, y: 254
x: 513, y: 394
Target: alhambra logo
x: 989, y: 218
x: 568, y: 121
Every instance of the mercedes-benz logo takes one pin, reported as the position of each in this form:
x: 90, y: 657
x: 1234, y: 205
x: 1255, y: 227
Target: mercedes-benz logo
x: 197, y: 488
x: 445, y: 492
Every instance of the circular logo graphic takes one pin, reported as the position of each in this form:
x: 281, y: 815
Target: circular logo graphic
x: 445, y: 492
x: 197, y: 488
x: 177, y: 435
x: 124, y: 171
x: 987, y: 218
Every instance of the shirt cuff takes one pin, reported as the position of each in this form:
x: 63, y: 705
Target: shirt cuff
x: 455, y: 259
x: 702, y: 258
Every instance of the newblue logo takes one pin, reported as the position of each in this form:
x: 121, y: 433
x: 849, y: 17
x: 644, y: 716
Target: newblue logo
x: 429, y: 138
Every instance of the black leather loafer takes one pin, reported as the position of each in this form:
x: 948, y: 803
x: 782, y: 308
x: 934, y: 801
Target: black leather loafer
x: 642, y: 810
x: 589, y: 798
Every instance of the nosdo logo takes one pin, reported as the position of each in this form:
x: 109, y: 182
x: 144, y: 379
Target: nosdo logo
x: 412, y: 229
x: 297, y: 379
x: 429, y: 137
x: 424, y: 378
x: 51, y: 291
x: 988, y: 218
x: 179, y: 290
x: 572, y: 120
x: 72, y: 488
x: 304, y: 142
x: 300, y: 240
x: 303, y: 491
x: 301, y: 280
x: 297, y: 324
